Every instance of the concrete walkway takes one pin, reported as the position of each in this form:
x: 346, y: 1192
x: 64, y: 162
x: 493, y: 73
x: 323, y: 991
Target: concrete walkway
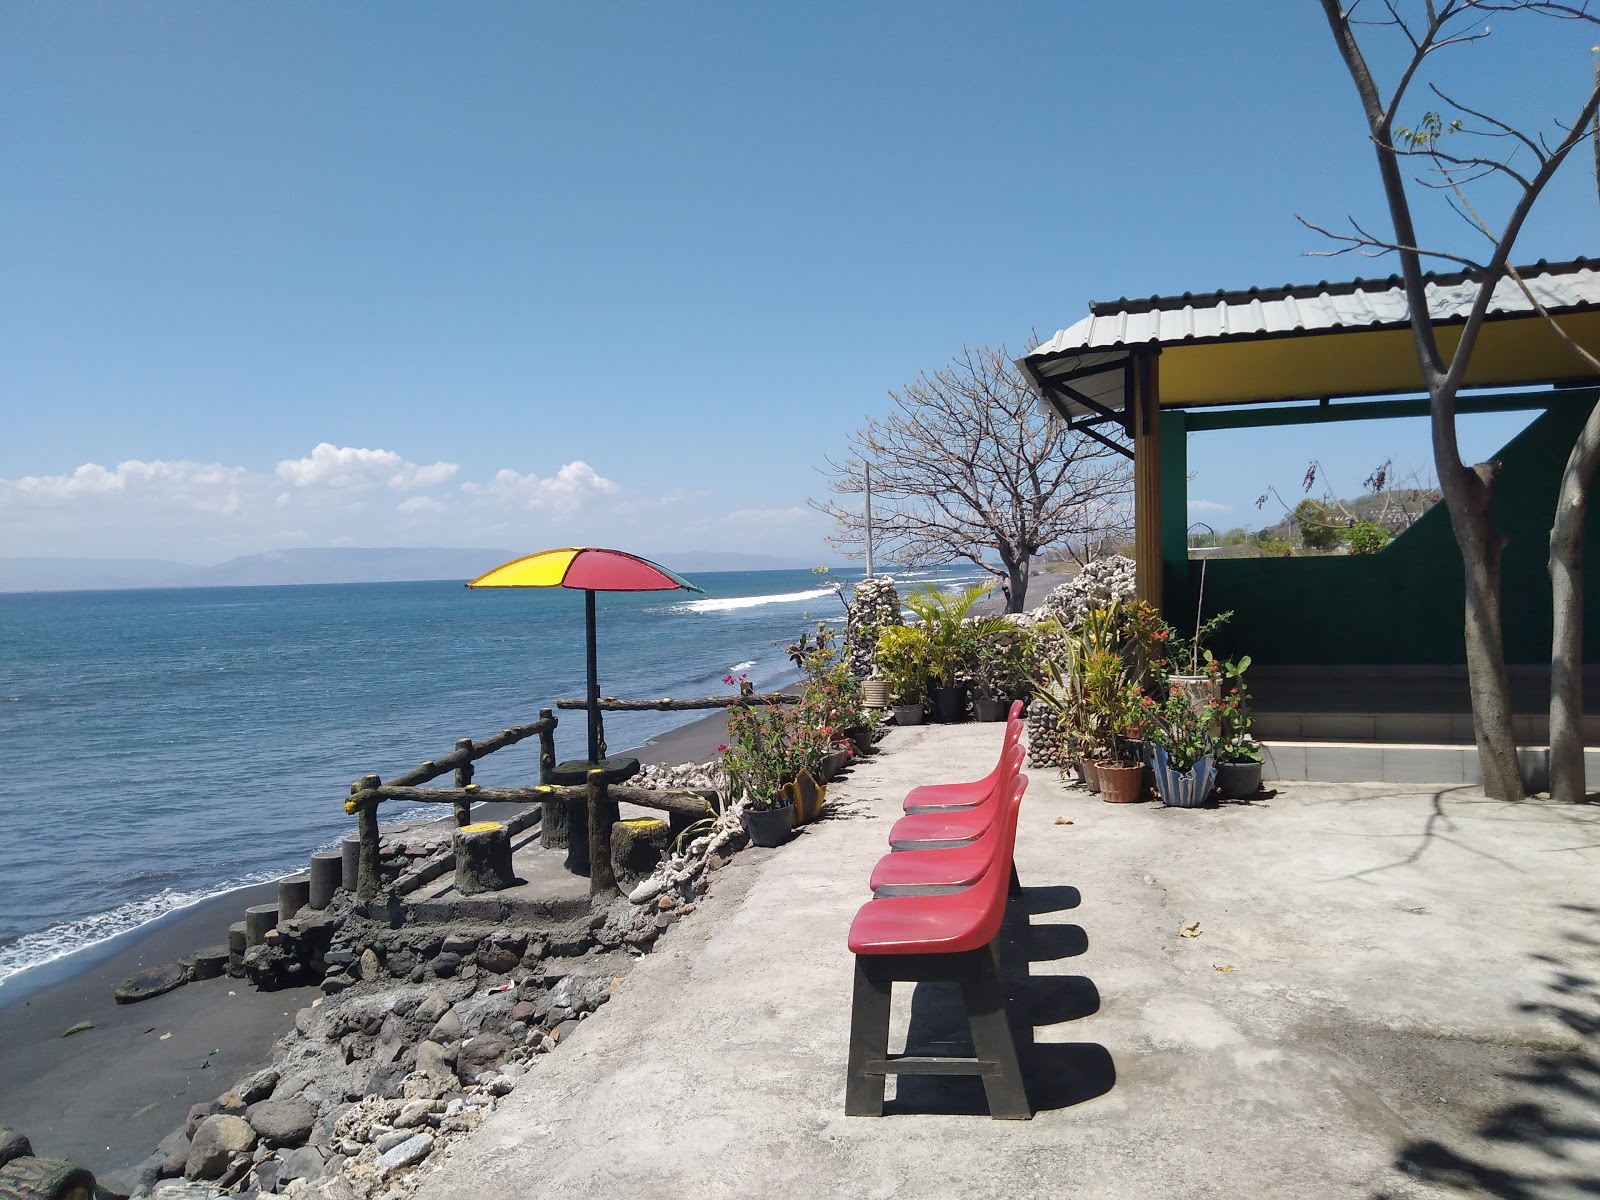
x: 1390, y: 992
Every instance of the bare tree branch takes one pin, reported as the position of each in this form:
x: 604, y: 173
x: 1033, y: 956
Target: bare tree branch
x: 966, y: 467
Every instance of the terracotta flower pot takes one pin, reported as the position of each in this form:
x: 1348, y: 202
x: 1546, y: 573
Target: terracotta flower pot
x: 1119, y: 784
x: 1091, y: 776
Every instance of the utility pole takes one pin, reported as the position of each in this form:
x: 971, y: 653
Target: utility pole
x: 867, y: 467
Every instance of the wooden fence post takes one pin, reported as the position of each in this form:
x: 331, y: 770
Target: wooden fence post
x: 555, y: 819
x: 463, y: 778
x: 603, y: 814
x: 547, y: 745
x: 367, y: 817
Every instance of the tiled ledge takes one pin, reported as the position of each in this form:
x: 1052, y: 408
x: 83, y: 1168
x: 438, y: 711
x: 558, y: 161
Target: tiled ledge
x: 1411, y: 728
x: 1397, y: 762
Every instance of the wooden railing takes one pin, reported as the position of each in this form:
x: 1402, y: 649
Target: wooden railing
x: 597, y: 799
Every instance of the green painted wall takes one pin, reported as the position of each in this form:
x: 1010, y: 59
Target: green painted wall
x: 1402, y: 605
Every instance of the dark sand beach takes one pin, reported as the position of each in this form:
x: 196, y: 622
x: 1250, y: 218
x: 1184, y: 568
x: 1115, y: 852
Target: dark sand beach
x: 106, y: 1096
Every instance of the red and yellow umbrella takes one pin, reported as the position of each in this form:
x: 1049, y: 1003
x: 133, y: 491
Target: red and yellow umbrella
x: 588, y: 569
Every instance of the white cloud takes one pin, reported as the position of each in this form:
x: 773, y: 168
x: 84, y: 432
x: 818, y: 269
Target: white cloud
x: 1209, y: 506
x: 561, y: 494
x: 200, y: 487
x: 419, y: 504
x: 353, y: 469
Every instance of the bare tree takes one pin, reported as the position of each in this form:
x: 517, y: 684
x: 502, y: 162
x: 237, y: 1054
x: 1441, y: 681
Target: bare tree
x: 1527, y: 164
x: 965, y: 466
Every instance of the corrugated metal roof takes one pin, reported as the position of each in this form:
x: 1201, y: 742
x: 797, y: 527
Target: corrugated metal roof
x: 1359, y: 304
x: 1081, y: 371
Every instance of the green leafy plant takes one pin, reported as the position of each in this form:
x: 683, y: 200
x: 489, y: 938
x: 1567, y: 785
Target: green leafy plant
x: 904, y: 657
x: 1368, y: 537
x: 943, y: 616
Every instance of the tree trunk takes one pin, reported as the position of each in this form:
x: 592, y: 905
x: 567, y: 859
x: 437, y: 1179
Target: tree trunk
x: 1019, y: 586
x: 1567, y: 781
x: 1481, y: 546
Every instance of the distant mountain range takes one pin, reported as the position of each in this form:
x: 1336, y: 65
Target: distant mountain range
x: 313, y: 565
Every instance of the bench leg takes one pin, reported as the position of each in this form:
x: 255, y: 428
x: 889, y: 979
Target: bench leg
x: 991, y: 1037
x: 869, y: 1039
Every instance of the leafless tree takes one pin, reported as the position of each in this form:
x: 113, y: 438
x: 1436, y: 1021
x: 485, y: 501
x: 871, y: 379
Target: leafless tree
x: 966, y: 467
x: 1449, y: 152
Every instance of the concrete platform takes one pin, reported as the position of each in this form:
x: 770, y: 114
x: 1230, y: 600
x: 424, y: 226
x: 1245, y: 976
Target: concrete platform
x: 1393, y: 993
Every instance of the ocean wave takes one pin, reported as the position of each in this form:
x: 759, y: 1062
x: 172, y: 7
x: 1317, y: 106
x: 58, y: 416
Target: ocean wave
x: 730, y: 603
x: 47, y: 945
x: 738, y: 667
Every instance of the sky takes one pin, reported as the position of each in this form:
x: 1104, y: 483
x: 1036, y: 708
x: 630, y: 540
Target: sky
x: 517, y: 275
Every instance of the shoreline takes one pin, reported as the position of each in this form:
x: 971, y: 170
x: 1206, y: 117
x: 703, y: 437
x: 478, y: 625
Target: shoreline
x: 106, y: 1096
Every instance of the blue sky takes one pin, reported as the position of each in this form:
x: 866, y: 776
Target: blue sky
x: 513, y: 275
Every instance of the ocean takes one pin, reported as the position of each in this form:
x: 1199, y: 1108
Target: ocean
x: 162, y: 746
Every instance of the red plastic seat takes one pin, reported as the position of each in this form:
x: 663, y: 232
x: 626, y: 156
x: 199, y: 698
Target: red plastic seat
x: 948, y: 924
x: 946, y: 795
x: 950, y: 866
x: 957, y: 824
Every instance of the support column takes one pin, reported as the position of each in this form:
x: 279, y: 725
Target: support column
x: 1145, y: 404
x: 1172, y: 426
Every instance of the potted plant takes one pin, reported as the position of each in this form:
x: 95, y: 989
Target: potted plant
x: 1121, y: 771
x: 943, y: 616
x: 1184, y: 747
x: 903, y: 654
x: 1238, y: 754
x: 755, y: 760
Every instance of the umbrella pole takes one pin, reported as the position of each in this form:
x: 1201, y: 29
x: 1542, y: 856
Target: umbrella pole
x: 594, y: 677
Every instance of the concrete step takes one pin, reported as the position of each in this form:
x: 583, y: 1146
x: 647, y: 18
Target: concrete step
x: 1402, y: 762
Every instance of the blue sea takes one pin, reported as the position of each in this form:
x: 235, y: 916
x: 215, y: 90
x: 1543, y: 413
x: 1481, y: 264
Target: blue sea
x: 161, y: 746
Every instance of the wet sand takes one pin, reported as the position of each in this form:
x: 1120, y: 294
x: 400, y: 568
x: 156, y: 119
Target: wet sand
x: 106, y: 1096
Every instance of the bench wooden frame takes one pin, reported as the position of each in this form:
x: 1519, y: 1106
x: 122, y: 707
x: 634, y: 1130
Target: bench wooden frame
x: 975, y: 914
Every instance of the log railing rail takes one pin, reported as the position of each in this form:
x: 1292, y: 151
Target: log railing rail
x: 599, y: 798
x: 364, y: 800
x: 668, y: 704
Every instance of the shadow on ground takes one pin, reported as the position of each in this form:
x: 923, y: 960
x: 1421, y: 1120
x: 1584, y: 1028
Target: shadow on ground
x: 1544, y: 1141
x: 1056, y: 1074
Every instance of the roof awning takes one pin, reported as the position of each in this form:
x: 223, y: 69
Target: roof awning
x: 1313, y: 342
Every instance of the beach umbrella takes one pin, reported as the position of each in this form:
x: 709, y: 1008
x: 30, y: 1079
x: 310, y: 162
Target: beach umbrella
x: 588, y: 569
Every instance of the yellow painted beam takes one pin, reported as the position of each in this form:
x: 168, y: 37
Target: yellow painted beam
x: 1517, y: 352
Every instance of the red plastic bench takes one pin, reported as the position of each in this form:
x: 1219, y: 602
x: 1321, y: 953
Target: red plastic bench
x: 943, y: 795
x: 924, y: 830
x: 947, y: 867
x: 906, y: 939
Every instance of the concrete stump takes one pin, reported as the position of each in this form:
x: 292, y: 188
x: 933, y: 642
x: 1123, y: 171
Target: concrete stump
x: 294, y: 891
x: 636, y: 847
x: 237, y: 943
x: 483, y: 858
x: 258, y: 920
x: 350, y: 850
x: 327, y: 875
x: 211, y: 962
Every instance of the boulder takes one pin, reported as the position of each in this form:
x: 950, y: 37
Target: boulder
x: 482, y: 1053
x: 150, y: 981
x: 256, y: 1087
x: 498, y: 959
x: 173, y: 1151
x: 215, y: 1142
x: 407, y: 1154
x: 282, y: 1123
x: 305, y: 1163
x: 434, y: 1059
x: 446, y: 964
x: 447, y: 1028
